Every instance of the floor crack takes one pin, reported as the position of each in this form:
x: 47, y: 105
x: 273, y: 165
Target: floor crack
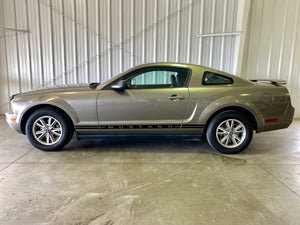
x: 280, y: 181
x: 16, y: 160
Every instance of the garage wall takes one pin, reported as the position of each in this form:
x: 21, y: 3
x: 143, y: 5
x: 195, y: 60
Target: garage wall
x: 272, y: 47
x: 52, y: 42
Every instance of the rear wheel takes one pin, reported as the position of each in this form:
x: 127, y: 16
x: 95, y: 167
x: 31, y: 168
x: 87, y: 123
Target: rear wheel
x: 229, y: 132
x: 48, y: 130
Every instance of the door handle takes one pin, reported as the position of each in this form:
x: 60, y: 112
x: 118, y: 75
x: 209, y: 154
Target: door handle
x: 176, y: 97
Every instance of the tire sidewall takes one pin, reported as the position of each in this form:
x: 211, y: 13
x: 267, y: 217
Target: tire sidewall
x: 66, y: 127
x: 217, y: 120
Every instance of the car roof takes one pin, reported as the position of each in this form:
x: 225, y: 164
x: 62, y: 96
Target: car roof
x: 183, y: 65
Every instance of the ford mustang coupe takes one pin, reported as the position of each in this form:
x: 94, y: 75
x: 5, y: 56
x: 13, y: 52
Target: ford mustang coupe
x: 155, y: 99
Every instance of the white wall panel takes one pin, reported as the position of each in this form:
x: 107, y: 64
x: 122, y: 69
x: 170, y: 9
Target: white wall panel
x: 273, y: 44
x: 81, y: 41
x: 4, y: 82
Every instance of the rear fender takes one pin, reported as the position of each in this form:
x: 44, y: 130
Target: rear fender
x: 229, y: 102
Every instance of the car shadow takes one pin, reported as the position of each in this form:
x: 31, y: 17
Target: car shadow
x: 189, y: 151
x: 142, y: 144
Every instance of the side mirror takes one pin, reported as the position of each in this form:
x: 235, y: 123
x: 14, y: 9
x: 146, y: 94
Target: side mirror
x: 120, y: 85
x: 93, y: 85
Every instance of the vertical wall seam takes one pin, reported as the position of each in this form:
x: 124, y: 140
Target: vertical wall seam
x: 121, y: 35
x: 212, y: 27
x: 17, y: 46
x: 5, y: 52
x: 233, y: 39
x: 271, y: 42
x: 144, y: 32
x: 297, y: 106
x: 201, y: 32
x: 99, y: 43
x: 109, y: 40
x: 52, y: 44
x: 41, y: 44
x: 75, y: 43
x: 167, y: 31
x: 248, y: 47
x: 178, y: 30
x: 223, y: 37
x: 189, y: 32
x: 29, y: 46
x: 295, y: 29
x: 259, y: 40
x: 132, y: 34
x: 282, y: 39
x: 87, y: 42
x: 64, y: 43
x: 155, y: 31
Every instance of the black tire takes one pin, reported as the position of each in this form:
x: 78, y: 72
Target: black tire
x: 48, y: 130
x: 229, y: 132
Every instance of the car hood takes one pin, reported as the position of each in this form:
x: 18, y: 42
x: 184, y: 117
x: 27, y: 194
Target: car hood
x: 56, y: 89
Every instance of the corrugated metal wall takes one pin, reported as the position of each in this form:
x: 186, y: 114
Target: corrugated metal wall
x: 49, y: 42
x: 273, y: 44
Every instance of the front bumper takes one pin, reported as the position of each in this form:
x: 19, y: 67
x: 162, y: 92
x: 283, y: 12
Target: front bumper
x: 12, y: 120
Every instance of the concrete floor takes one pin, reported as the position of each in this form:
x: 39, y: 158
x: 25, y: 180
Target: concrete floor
x: 152, y: 182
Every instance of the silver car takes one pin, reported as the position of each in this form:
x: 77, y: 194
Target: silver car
x: 155, y: 99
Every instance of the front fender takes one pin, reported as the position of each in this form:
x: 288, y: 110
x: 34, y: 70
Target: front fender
x: 55, y: 101
x: 232, y: 102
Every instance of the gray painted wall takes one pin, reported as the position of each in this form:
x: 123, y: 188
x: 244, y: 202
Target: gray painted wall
x: 50, y: 42
x: 273, y: 44
x: 53, y: 42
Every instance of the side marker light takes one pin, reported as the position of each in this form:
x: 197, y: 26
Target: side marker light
x: 271, y: 120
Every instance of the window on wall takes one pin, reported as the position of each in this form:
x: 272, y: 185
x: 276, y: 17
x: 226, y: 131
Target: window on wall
x: 210, y: 78
x: 157, y: 78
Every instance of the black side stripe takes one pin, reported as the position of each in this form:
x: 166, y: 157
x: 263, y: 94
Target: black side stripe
x: 87, y: 127
x: 192, y: 126
x: 164, y: 126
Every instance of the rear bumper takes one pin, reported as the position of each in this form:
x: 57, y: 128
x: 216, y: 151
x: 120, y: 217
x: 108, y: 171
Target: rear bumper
x: 12, y: 120
x: 283, y: 121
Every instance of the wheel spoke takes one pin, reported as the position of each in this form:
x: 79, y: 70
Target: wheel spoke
x: 236, y: 138
x: 47, y: 138
x: 40, y: 125
x: 42, y: 135
x: 57, y: 129
x: 43, y: 122
x: 227, y: 124
x: 237, y: 128
x: 227, y: 140
x: 49, y: 121
x: 233, y: 140
x: 224, y: 139
x: 231, y: 126
x: 222, y: 129
x: 54, y: 122
x: 51, y: 137
x: 55, y: 133
x: 39, y: 132
x: 238, y: 132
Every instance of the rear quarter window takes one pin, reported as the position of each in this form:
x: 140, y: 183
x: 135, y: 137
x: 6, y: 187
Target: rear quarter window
x: 210, y: 78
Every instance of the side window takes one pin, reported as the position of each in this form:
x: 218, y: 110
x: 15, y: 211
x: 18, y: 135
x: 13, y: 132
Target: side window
x: 158, y: 78
x: 210, y: 78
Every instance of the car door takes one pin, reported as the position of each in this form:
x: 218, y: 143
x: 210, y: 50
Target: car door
x: 152, y: 101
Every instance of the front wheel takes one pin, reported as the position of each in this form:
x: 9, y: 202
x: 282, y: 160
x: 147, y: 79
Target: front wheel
x: 229, y: 132
x: 48, y: 130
